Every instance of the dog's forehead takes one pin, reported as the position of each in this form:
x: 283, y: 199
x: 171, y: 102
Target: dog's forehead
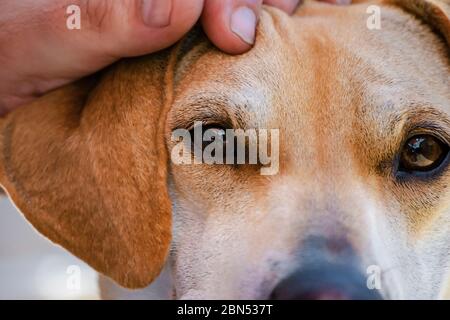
x: 203, y: 73
x: 324, y: 61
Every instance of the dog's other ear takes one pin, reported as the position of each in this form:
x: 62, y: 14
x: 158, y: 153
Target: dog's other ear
x: 87, y: 165
x: 434, y: 12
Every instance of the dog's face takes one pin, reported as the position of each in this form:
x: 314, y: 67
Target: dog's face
x: 361, y: 193
x: 348, y: 102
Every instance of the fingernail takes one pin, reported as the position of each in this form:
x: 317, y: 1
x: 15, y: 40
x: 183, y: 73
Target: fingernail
x: 243, y: 24
x: 294, y: 5
x: 157, y: 13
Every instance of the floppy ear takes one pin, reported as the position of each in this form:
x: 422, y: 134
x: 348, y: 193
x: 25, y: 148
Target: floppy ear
x: 434, y: 12
x: 87, y: 165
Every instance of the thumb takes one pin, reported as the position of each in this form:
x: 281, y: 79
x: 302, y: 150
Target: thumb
x: 136, y: 27
x: 39, y: 52
x: 44, y: 47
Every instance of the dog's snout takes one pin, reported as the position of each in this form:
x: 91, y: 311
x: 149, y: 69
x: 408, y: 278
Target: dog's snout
x: 328, y: 271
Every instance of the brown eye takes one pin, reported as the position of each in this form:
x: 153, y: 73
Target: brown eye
x: 423, y: 153
x: 203, y: 136
x: 215, y: 132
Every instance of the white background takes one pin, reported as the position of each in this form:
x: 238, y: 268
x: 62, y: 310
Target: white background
x: 33, y: 268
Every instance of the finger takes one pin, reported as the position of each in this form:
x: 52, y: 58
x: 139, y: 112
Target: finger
x: 42, y: 53
x: 231, y: 24
x: 150, y: 25
x: 288, y: 6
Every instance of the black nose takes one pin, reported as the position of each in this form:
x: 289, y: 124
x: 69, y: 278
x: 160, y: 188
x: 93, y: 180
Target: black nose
x: 329, y: 271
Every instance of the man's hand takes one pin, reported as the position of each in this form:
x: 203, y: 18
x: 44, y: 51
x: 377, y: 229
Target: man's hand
x: 38, y: 53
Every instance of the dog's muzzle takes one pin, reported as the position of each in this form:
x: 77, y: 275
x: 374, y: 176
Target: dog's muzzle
x: 329, y: 271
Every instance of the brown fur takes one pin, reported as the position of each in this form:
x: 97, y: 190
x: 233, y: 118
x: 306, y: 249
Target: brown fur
x: 77, y: 164
x: 87, y: 164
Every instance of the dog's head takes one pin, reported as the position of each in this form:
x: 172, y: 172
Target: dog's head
x: 360, y: 196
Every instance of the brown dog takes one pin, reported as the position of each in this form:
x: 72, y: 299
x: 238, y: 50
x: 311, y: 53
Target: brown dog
x: 364, y: 119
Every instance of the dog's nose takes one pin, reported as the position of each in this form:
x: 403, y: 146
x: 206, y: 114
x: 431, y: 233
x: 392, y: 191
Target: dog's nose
x: 329, y: 271
x: 326, y: 282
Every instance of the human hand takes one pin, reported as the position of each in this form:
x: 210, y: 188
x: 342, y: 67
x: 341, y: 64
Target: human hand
x: 38, y: 53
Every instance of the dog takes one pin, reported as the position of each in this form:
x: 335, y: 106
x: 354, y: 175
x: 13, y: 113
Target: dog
x: 359, y: 209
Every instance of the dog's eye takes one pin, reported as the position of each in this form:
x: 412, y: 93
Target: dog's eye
x: 213, y: 134
x: 206, y: 139
x: 423, y: 153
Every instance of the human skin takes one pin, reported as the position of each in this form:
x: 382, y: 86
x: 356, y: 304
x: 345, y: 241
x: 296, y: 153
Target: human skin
x: 38, y: 53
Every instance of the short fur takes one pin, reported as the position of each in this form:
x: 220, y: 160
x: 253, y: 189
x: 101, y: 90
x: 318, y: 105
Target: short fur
x: 88, y: 164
